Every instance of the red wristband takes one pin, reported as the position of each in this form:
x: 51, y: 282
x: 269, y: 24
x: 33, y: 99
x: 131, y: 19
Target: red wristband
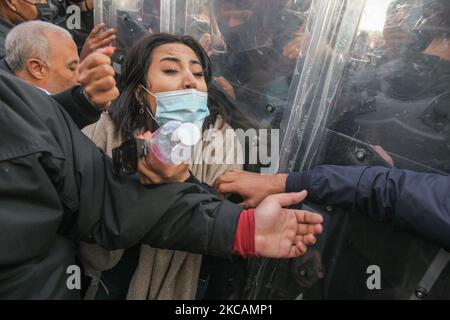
x: 244, y: 240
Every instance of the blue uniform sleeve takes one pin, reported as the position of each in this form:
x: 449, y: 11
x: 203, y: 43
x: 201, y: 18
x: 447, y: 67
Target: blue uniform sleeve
x: 417, y: 201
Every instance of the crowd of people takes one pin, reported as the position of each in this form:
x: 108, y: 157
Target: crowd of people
x: 152, y: 235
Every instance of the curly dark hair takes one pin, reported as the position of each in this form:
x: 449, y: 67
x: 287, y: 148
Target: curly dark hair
x: 125, y: 111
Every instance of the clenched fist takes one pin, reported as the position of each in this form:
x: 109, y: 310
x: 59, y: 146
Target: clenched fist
x: 97, y: 78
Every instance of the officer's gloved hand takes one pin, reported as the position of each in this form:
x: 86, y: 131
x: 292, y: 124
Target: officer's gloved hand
x: 97, y: 78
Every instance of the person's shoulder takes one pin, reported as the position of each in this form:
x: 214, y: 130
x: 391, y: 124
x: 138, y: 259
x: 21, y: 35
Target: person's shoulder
x: 104, y: 133
x: 31, y: 121
x: 104, y: 124
x: 5, y: 27
x: 106, y: 121
x: 18, y: 89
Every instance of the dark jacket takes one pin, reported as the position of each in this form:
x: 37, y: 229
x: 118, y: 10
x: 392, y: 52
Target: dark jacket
x: 72, y: 100
x: 57, y: 189
x: 80, y: 33
x: 417, y: 201
x: 4, y: 29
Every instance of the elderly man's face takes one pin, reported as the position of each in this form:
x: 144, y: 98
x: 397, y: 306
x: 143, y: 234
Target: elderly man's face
x: 63, y: 71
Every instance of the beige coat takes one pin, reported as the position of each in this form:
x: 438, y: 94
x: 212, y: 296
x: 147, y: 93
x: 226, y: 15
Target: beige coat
x: 160, y: 274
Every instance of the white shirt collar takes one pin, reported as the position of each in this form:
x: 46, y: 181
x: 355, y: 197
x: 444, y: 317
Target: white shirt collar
x: 44, y: 91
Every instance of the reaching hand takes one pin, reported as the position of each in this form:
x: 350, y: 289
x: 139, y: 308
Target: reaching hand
x: 209, y: 43
x: 226, y: 86
x: 151, y: 171
x: 284, y: 233
x: 293, y: 48
x: 97, y: 78
x: 253, y: 187
x: 383, y: 154
x: 97, y: 40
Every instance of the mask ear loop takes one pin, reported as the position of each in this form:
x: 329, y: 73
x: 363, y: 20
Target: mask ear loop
x: 145, y: 105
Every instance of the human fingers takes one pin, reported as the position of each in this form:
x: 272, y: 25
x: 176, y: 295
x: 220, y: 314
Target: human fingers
x: 288, y: 199
x: 105, y: 34
x: 103, y: 43
x: 206, y: 43
x: 227, y: 188
x: 297, y: 250
x: 147, y: 175
x: 306, y: 228
x: 96, y: 29
x: 108, y: 51
x: 307, y: 240
x: 102, y: 99
x: 168, y: 173
x: 223, y: 179
x: 103, y: 84
x: 99, y: 57
x: 95, y: 70
x: 304, y: 216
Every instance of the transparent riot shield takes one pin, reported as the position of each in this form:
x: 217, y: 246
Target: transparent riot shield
x: 254, y: 46
x: 132, y: 19
x: 346, y: 82
x: 373, y: 90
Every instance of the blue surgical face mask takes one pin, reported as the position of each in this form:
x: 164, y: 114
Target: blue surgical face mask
x: 188, y: 105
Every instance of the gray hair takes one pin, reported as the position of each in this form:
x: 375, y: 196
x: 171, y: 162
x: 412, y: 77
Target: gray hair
x: 29, y: 40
